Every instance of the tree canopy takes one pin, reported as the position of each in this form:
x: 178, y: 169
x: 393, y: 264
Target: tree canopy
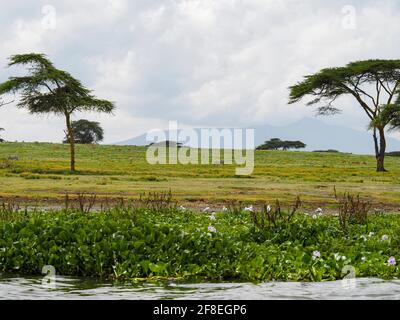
x: 277, y: 144
x: 374, y: 84
x: 46, y: 89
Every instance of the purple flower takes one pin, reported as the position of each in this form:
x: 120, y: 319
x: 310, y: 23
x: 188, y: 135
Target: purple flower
x: 212, y: 229
x: 316, y: 254
x: 392, y: 261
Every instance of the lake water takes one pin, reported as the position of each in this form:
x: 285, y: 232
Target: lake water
x: 12, y: 287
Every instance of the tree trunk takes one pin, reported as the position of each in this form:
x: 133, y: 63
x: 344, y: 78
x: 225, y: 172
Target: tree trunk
x: 381, y: 150
x: 376, y: 144
x: 71, y: 139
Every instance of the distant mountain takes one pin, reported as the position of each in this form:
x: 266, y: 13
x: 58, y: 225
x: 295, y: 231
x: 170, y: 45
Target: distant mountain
x: 313, y: 132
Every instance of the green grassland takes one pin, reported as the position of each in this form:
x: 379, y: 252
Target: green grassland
x: 41, y: 174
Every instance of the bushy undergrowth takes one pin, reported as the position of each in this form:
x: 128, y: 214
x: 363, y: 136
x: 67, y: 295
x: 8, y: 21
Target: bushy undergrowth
x: 136, y: 243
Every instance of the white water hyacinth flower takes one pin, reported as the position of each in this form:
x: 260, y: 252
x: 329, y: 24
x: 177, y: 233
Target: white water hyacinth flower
x: 371, y: 234
x: 268, y: 208
x: 316, y: 254
x: 339, y: 257
x: 314, y: 216
x: 363, y: 237
x: 319, y: 211
x: 385, y: 237
x: 224, y: 209
x: 212, y: 229
x: 206, y: 209
x: 249, y: 209
x: 212, y: 217
x: 182, y: 208
x: 363, y: 259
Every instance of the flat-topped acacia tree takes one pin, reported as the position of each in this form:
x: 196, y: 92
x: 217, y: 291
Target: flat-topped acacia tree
x: 374, y: 84
x: 46, y: 89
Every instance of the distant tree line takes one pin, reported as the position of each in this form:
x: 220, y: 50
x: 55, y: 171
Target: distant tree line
x: 167, y: 144
x: 393, y: 154
x: 326, y: 151
x: 278, y: 144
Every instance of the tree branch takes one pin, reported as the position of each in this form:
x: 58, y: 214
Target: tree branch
x: 363, y: 104
x: 359, y: 90
x: 383, y: 86
x: 393, y: 92
x: 48, y: 87
x: 6, y: 103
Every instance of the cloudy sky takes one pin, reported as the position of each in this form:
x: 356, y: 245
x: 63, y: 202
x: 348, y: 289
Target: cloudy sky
x: 202, y: 62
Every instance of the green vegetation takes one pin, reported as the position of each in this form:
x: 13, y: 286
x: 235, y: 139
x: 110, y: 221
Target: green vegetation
x: 327, y: 151
x: 41, y: 174
x: 277, y: 144
x: 129, y: 243
x: 393, y: 154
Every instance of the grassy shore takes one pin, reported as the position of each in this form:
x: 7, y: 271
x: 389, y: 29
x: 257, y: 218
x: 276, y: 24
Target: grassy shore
x: 155, y: 238
x: 41, y: 175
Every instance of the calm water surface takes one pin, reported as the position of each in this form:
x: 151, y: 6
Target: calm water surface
x: 12, y: 287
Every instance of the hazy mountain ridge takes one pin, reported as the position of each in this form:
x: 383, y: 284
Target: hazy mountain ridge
x: 315, y: 133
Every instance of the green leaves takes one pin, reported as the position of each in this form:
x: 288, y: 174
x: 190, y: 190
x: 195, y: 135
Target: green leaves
x: 353, y: 79
x: 162, y: 244
x: 46, y: 89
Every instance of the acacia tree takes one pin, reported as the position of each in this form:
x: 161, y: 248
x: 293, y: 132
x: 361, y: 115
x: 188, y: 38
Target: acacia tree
x: 374, y: 84
x: 86, y: 132
x: 46, y: 89
x: 276, y: 144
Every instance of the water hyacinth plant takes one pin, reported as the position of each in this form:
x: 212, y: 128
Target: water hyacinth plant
x: 129, y: 242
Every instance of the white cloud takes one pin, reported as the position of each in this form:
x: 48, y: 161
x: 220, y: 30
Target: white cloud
x: 201, y: 62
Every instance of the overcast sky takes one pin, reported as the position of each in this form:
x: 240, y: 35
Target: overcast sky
x: 202, y: 62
